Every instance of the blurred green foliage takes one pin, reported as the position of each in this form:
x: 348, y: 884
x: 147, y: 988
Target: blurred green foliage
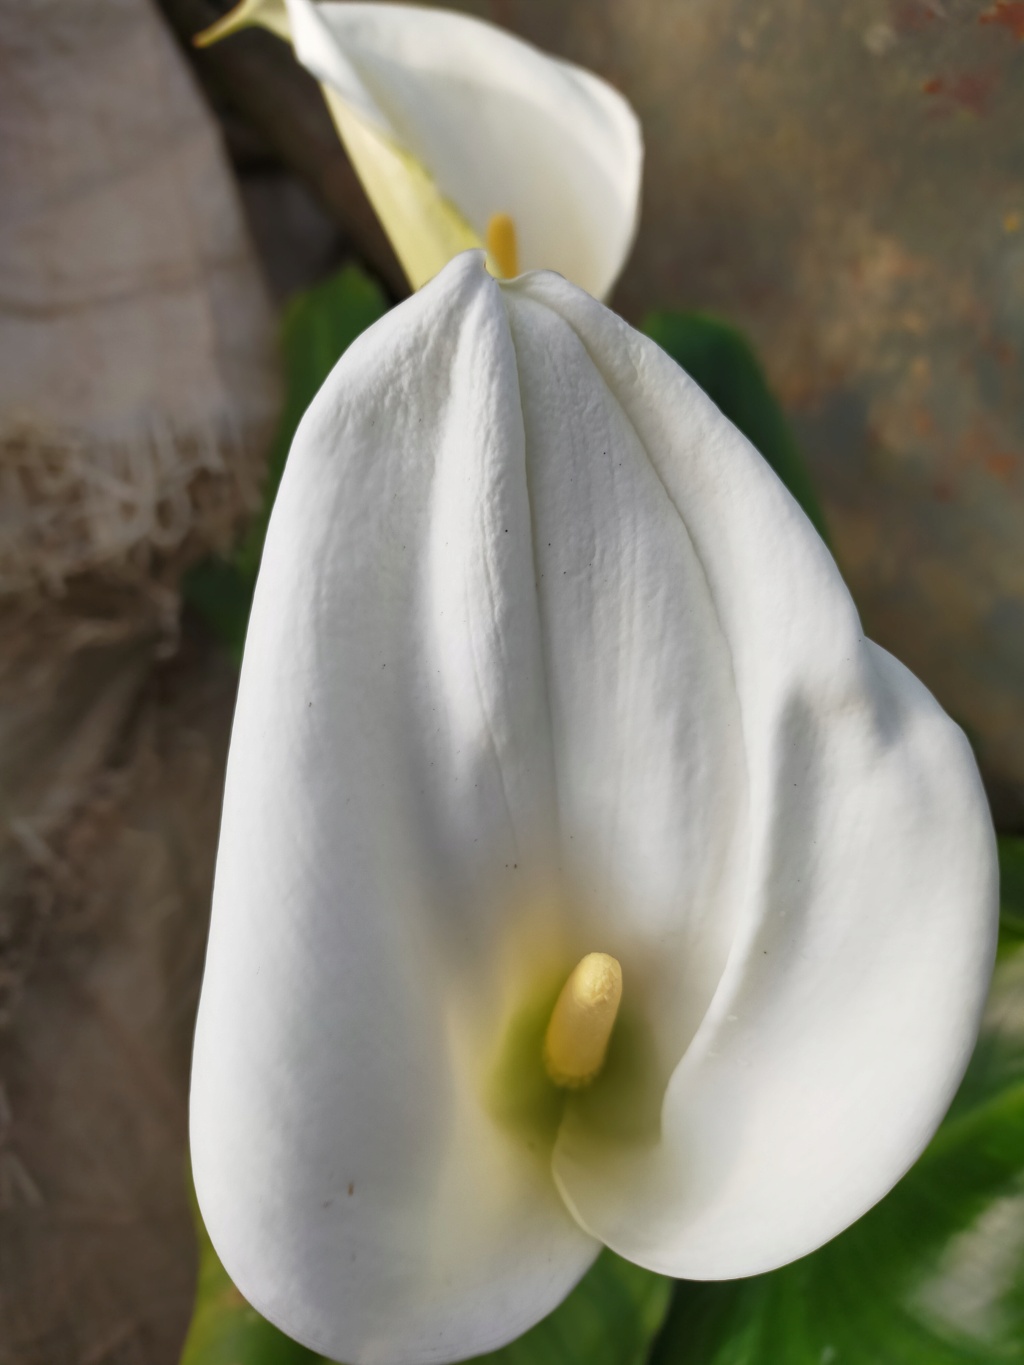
x: 723, y: 363
x: 1011, y: 891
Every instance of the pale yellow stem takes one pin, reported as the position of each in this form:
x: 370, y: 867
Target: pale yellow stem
x: 271, y: 14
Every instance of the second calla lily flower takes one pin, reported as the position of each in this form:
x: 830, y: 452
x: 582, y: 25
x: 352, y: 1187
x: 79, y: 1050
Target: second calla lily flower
x: 465, y: 136
x: 585, y: 875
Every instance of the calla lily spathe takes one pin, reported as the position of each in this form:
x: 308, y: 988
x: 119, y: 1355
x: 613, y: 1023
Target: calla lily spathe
x: 456, y: 128
x: 545, y: 662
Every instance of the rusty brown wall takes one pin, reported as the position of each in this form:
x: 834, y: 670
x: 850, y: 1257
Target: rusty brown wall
x: 846, y: 181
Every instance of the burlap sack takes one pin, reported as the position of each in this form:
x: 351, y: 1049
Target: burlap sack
x: 138, y: 390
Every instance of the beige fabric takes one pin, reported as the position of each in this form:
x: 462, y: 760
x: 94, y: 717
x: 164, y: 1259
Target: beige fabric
x: 110, y: 783
x: 138, y: 375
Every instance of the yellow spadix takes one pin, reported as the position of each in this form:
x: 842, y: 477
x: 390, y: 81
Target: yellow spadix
x: 582, y: 1021
x: 503, y: 246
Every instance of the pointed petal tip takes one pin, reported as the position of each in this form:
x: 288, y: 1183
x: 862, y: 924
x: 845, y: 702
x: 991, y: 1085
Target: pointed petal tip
x: 469, y: 266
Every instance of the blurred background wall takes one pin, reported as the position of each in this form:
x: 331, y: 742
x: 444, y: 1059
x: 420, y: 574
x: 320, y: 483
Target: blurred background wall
x: 846, y: 182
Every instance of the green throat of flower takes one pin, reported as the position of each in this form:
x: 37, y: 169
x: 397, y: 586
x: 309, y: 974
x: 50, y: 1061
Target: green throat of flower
x: 576, y: 1043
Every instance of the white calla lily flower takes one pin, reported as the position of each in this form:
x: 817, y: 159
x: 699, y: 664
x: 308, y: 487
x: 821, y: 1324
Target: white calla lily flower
x: 547, y: 668
x: 465, y: 136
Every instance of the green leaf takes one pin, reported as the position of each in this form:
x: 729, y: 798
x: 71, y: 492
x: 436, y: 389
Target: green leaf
x: 933, y: 1275
x: 723, y: 363
x: 1011, y: 891
x: 319, y: 326
x: 221, y: 593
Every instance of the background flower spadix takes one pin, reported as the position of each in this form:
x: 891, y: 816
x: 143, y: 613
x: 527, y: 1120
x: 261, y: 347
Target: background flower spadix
x: 451, y: 122
x: 543, y: 661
